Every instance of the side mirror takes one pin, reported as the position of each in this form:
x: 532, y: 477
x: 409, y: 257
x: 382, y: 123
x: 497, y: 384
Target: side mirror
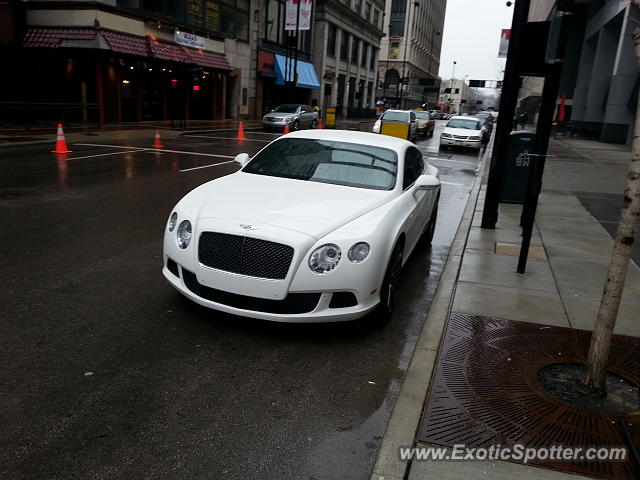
x: 242, y: 159
x: 427, y: 182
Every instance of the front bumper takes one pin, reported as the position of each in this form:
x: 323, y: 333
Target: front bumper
x: 276, y: 124
x: 321, y: 313
x: 460, y: 143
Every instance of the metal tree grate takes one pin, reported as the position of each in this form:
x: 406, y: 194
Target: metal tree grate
x: 486, y: 392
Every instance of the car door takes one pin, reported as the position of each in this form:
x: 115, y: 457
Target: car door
x: 308, y: 115
x: 419, y: 200
x: 413, y: 126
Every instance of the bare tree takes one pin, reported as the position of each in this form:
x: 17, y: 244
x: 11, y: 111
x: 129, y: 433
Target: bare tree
x: 593, y: 380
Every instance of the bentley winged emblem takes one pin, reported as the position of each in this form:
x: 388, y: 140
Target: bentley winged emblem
x: 248, y: 227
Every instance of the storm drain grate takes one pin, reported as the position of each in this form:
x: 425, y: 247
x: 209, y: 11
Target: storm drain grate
x: 486, y: 392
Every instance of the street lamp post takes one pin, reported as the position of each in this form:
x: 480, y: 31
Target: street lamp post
x: 407, y: 19
x: 453, y: 71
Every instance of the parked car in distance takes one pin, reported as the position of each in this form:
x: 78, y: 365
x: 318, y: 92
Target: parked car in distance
x: 407, y: 117
x: 487, y: 122
x: 314, y: 228
x: 463, y: 132
x: 424, y: 123
x: 293, y: 115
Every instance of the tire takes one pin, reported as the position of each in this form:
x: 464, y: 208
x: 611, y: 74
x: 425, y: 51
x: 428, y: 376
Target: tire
x: 315, y: 123
x: 430, y: 227
x: 389, y: 288
x: 296, y: 126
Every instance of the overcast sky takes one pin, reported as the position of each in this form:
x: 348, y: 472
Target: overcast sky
x: 471, y: 37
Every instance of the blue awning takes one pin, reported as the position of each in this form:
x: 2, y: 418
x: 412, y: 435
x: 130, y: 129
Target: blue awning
x: 307, y: 77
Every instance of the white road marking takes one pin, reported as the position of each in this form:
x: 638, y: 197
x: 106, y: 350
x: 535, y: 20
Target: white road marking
x: 155, y: 150
x: 448, y: 160
x: 227, y: 138
x: 105, y: 154
x: 205, y: 166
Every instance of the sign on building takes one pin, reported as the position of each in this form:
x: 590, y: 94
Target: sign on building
x: 504, y: 43
x: 188, y: 39
x: 298, y: 9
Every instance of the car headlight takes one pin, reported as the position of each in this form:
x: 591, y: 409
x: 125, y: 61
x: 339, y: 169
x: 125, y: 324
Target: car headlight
x: 183, y: 234
x: 288, y: 119
x: 474, y: 138
x: 325, y: 258
x: 446, y: 135
x: 359, y: 252
x: 173, y: 219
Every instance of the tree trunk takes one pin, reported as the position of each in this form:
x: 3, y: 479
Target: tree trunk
x: 593, y: 380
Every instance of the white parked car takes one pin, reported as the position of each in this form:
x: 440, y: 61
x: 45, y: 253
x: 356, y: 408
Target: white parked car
x: 314, y: 228
x: 461, y: 131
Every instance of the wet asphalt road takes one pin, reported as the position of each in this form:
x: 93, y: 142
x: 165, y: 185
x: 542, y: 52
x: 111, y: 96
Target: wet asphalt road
x: 107, y: 372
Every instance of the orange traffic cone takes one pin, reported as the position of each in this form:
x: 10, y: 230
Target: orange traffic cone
x: 240, y: 132
x: 286, y: 129
x: 319, y: 127
x: 156, y: 141
x: 61, y: 143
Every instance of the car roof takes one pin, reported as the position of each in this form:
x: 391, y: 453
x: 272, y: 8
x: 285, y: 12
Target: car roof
x: 351, y: 136
x: 396, y: 110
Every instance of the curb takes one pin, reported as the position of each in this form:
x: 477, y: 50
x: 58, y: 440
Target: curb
x: 407, y: 412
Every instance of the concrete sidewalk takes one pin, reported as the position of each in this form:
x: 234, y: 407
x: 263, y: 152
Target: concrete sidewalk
x: 562, y: 289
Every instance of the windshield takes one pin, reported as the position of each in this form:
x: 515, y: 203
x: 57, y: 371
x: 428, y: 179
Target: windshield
x: 422, y: 116
x: 325, y: 161
x: 287, y: 108
x: 396, y: 117
x: 464, y: 123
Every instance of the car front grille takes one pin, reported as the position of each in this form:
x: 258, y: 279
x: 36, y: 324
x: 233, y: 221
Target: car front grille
x: 342, y: 300
x: 460, y: 137
x: 292, y: 304
x: 245, y: 255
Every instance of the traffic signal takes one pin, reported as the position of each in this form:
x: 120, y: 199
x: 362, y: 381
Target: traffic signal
x: 499, y: 84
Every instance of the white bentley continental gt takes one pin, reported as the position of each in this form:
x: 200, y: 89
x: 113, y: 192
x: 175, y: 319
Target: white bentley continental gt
x: 314, y: 228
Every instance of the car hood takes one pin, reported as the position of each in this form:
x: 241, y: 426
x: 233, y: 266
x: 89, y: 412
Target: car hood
x: 312, y: 208
x: 280, y: 114
x: 465, y: 132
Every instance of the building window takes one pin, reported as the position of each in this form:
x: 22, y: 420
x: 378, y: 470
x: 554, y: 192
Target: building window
x: 357, y: 4
x: 372, y: 59
x: 272, y: 23
x: 363, y: 57
x: 391, y: 78
x: 331, y: 40
x: 376, y: 16
x: 398, y: 10
x: 344, y: 45
x: 367, y: 11
x: 354, y: 50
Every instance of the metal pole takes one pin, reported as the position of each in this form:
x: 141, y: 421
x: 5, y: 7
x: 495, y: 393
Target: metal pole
x: 508, y: 102
x: 404, y: 60
x: 451, y: 86
x: 295, y: 58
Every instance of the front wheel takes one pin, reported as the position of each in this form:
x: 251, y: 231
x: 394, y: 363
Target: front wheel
x: 430, y: 227
x: 389, y: 288
x: 315, y: 123
x: 296, y: 125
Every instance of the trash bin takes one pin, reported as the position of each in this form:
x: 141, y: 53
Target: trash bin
x: 516, y: 167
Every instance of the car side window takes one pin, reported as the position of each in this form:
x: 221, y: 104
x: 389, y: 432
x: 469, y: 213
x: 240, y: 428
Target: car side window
x: 413, y: 167
x: 428, y: 116
x: 412, y: 117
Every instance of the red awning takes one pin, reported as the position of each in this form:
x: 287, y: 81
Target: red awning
x: 126, y: 43
x: 208, y: 59
x: 129, y: 44
x: 168, y: 51
x: 51, y: 37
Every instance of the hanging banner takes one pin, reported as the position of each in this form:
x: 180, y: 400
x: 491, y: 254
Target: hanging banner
x: 291, y: 14
x: 504, y: 43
